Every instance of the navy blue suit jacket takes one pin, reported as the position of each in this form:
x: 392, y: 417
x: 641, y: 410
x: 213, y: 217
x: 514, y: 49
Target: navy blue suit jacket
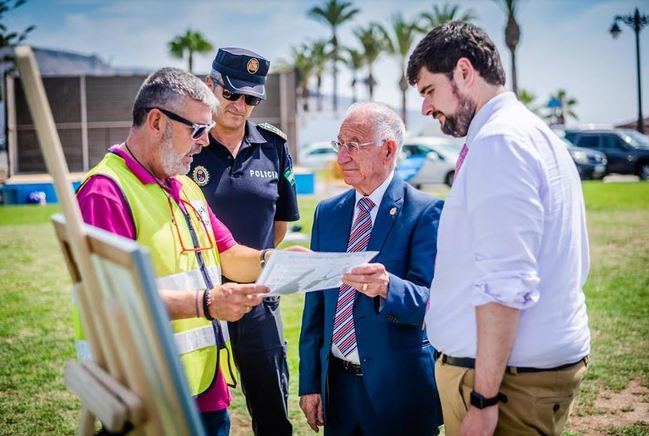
x: 396, y: 357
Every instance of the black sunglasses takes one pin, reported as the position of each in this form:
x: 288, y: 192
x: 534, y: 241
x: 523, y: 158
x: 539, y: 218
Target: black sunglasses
x: 250, y: 100
x: 198, y: 129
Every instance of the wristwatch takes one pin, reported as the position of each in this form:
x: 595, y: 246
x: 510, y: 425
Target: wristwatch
x: 477, y: 400
x: 262, y: 257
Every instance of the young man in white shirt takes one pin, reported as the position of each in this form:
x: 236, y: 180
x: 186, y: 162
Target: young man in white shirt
x: 507, y: 313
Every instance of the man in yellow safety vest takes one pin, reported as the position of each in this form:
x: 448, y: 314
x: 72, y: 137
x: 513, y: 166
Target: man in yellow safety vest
x: 139, y: 191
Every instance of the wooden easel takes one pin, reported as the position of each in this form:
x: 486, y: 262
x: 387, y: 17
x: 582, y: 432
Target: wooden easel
x: 135, y: 382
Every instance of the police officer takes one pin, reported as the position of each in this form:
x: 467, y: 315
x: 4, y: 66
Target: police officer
x: 247, y: 177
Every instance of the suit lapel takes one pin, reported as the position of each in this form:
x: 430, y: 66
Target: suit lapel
x: 388, y: 212
x: 342, y: 215
x: 344, y: 211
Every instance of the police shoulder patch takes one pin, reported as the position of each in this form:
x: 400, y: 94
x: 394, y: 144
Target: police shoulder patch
x: 200, y: 175
x: 271, y: 128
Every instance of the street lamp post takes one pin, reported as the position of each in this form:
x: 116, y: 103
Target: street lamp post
x: 636, y: 22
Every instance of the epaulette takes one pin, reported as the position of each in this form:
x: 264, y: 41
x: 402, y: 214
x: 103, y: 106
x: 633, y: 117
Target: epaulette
x: 271, y: 128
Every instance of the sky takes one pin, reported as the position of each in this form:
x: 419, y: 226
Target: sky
x: 564, y: 43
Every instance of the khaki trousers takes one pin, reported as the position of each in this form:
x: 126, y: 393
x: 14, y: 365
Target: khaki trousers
x: 538, y: 402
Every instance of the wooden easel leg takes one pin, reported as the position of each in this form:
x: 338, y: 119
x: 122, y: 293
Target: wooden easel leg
x: 86, y: 423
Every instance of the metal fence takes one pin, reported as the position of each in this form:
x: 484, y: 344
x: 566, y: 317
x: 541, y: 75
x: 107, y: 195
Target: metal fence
x: 94, y: 112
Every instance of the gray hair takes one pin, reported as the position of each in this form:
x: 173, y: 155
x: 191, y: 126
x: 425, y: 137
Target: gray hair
x: 386, y: 123
x: 167, y: 88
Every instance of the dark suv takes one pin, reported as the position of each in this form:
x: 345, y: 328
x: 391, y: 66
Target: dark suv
x: 627, y: 151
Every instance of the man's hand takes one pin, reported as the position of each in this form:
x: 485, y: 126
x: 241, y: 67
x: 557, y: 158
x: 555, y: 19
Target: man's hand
x: 311, y: 405
x: 370, y: 278
x: 479, y: 422
x: 233, y: 300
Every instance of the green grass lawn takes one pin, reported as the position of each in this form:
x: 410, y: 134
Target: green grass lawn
x: 36, y: 328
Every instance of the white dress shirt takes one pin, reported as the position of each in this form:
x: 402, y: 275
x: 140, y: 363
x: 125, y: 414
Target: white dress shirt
x: 376, y: 196
x: 513, y: 231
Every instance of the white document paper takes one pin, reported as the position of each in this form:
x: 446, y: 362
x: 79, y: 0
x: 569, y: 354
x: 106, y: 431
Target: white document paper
x: 290, y: 271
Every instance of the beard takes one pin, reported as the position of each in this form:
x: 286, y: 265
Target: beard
x: 457, y: 124
x: 171, y: 161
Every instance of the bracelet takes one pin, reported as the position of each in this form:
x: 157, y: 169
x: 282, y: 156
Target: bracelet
x: 196, y: 303
x: 262, y: 257
x: 207, y: 301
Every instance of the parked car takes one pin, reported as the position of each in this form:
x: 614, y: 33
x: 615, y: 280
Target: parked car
x: 428, y: 160
x: 591, y: 164
x: 317, y: 155
x: 627, y: 151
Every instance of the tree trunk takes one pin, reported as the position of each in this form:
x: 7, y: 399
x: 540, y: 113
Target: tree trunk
x: 305, y: 97
x: 404, y: 111
x: 354, y: 81
x: 334, y: 41
x: 403, y: 85
x: 512, y: 38
x: 370, y: 83
x: 514, y: 78
x: 191, y: 61
x: 318, y: 93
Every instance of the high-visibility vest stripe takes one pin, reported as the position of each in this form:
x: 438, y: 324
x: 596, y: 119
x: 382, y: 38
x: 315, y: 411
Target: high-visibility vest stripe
x: 191, y: 340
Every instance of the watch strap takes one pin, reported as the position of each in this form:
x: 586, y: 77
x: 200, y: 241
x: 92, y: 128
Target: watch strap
x: 479, y: 401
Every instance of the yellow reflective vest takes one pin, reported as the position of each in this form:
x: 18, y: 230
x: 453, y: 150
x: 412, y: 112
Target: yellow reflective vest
x: 152, y: 209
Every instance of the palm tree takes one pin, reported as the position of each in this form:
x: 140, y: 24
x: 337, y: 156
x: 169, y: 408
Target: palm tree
x: 528, y: 98
x: 334, y: 13
x: 398, y: 43
x: 373, y: 42
x: 190, y: 42
x: 354, y: 61
x: 9, y: 38
x: 444, y: 14
x: 319, y: 56
x: 561, y: 107
x: 512, y: 35
x: 304, y: 71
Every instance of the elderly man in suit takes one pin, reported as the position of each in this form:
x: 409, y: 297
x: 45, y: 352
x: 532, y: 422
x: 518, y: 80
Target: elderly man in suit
x: 366, y: 366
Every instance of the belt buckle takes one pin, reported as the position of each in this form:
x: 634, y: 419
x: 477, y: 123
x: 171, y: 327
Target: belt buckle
x: 351, y: 367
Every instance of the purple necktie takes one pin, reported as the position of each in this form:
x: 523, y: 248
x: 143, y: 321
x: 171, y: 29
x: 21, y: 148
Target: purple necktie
x: 344, y: 335
x: 460, y: 159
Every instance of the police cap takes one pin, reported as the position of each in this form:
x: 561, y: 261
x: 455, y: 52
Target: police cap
x: 241, y: 71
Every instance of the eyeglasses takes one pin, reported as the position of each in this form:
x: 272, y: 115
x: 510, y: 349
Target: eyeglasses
x: 250, y: 100
x: 199, y: 129
x: 352, y: 146
x: 188, y: 206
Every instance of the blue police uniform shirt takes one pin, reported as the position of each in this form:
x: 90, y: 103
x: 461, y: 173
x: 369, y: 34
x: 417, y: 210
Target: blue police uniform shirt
x: 251, y: 191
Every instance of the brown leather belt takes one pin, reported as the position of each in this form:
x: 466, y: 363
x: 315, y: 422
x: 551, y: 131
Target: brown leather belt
x: 346, y: 365
x: 469, y: 362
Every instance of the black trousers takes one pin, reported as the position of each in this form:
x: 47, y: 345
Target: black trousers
x: 349, y: 409
x: 259, y: 351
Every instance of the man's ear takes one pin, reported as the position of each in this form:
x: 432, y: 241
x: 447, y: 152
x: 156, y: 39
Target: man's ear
x: 208, y: 81
x: 464, y: 73
x: 391, y: 149
x: 155, y: 123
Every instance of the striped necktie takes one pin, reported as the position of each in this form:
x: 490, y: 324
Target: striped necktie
x: 344, y: 334
x: 460, y: 159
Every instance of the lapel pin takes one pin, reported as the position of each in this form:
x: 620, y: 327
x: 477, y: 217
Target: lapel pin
x: 393, y: 211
